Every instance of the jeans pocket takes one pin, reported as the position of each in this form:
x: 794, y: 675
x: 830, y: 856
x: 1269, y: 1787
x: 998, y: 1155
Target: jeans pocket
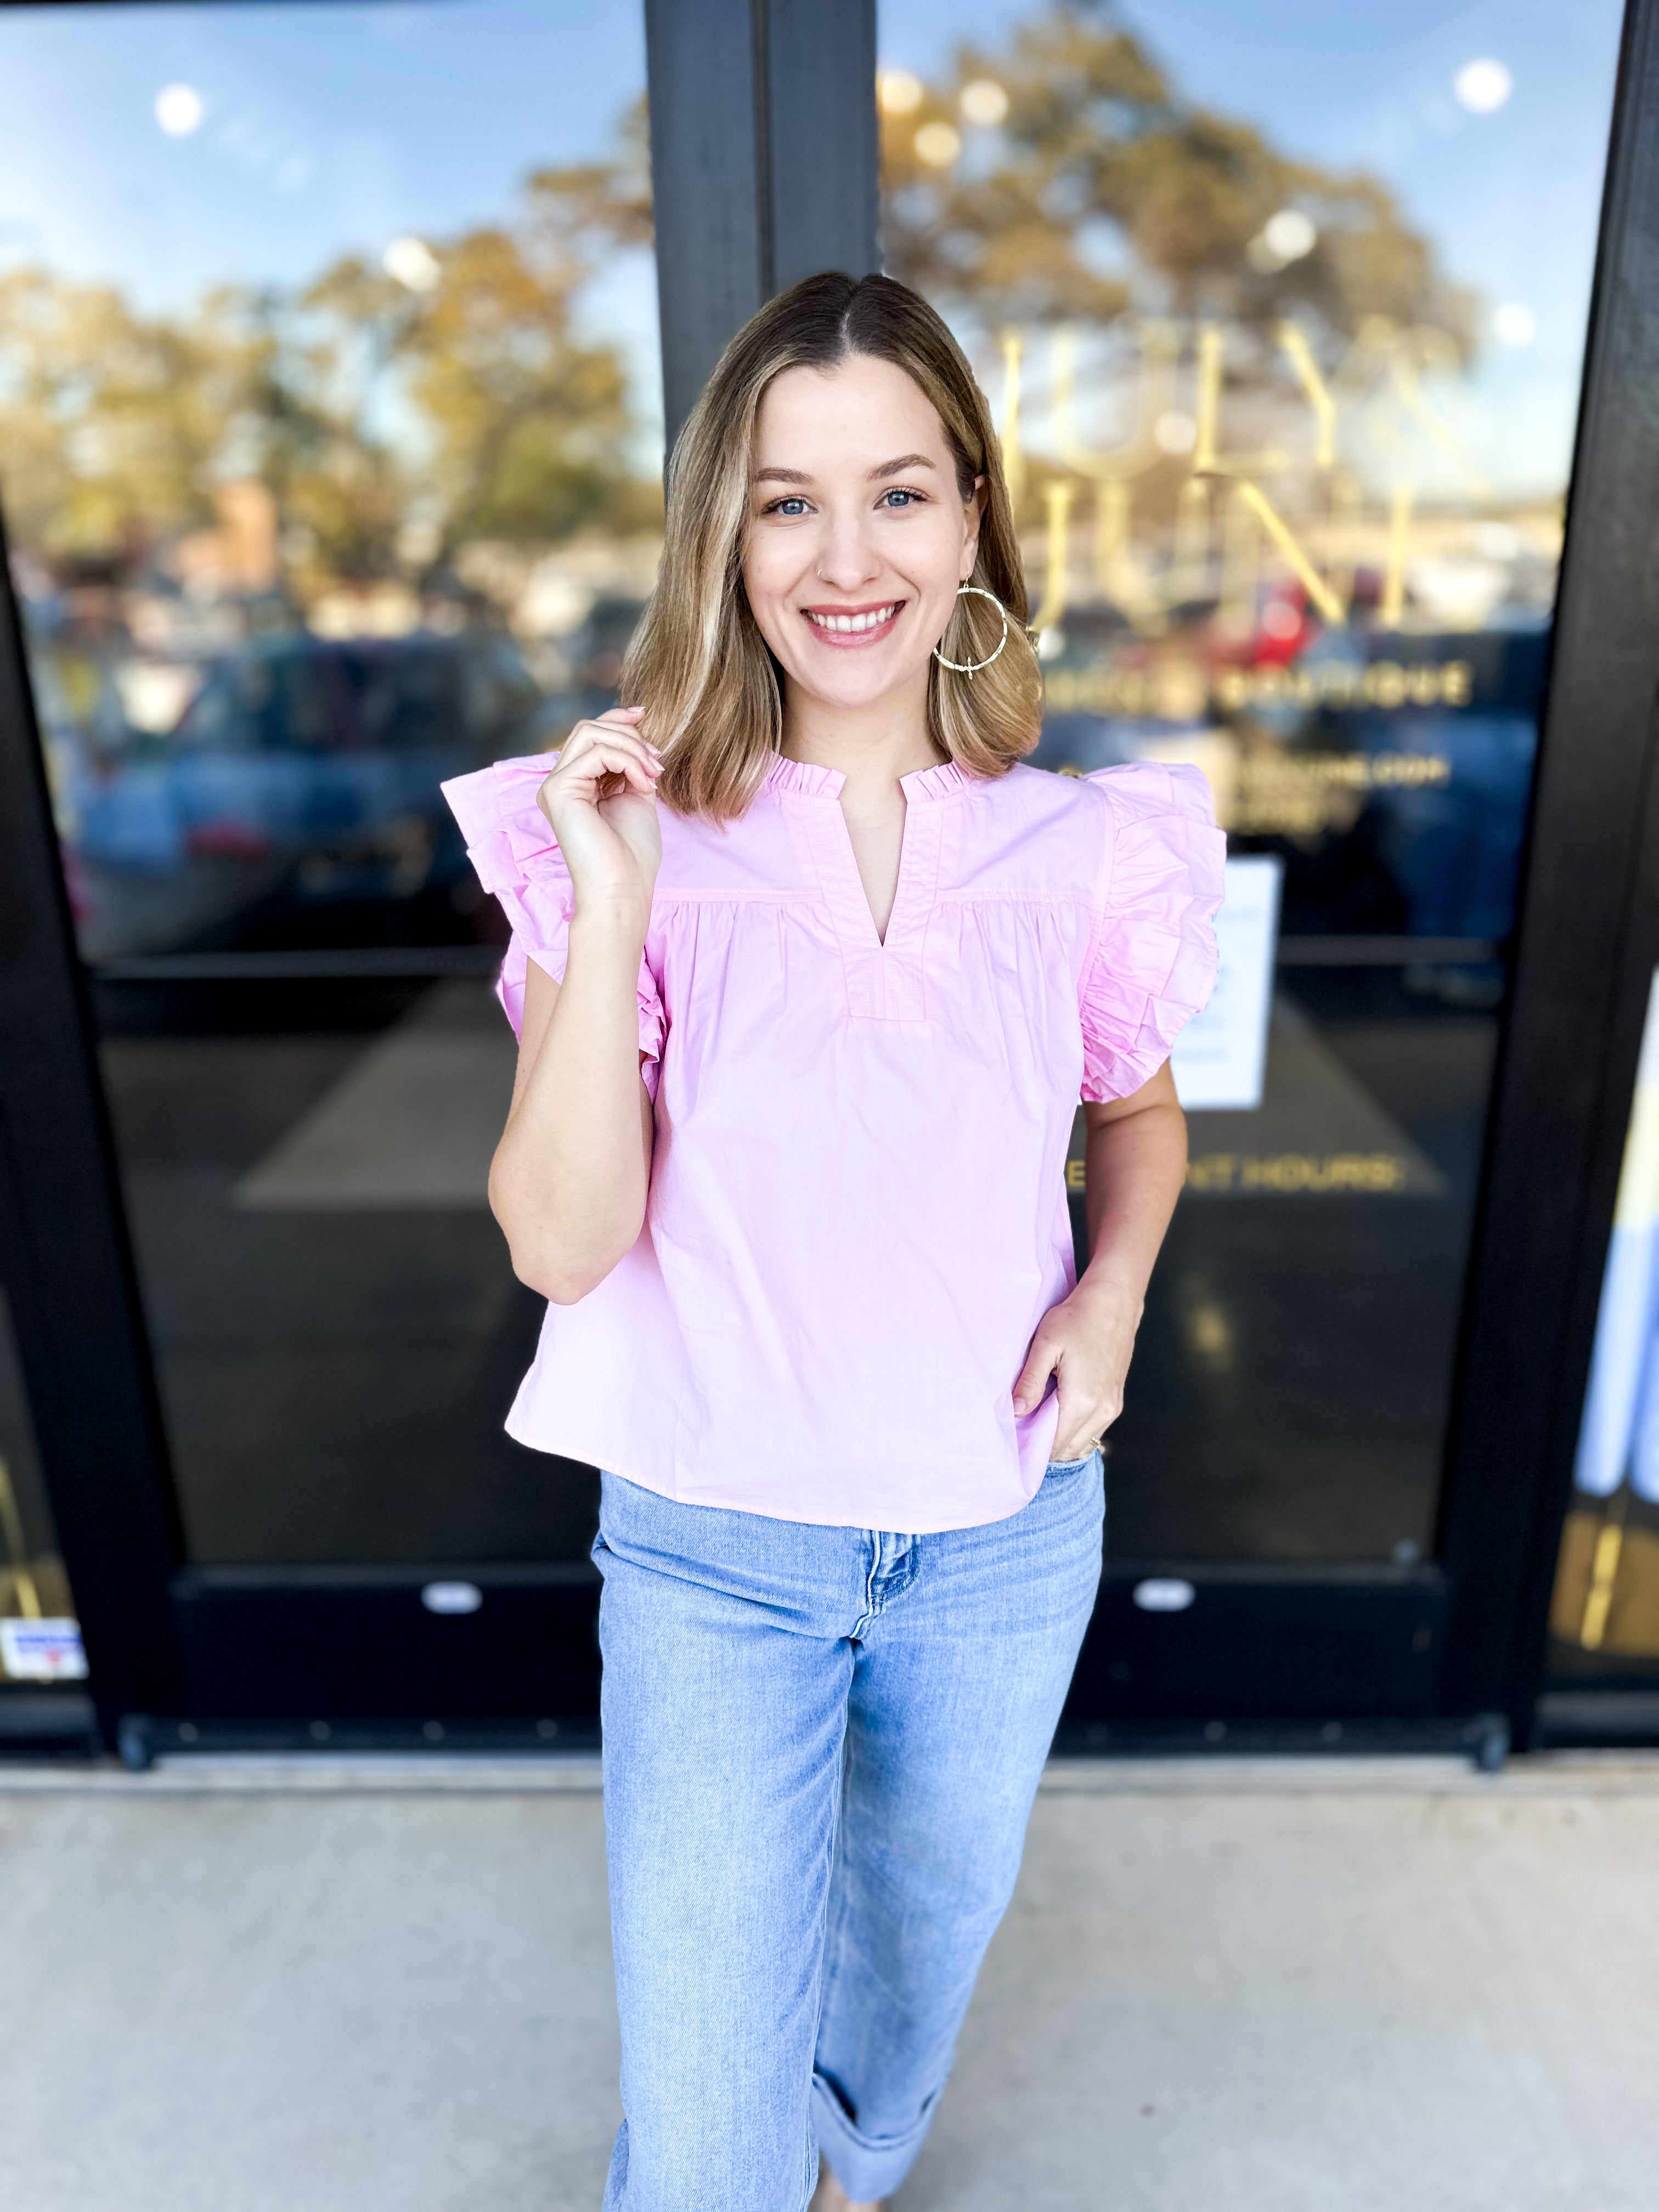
x: 1064, y: 1466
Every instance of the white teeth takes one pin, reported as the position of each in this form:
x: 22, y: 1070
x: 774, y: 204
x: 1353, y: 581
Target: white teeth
x: 856, y: 621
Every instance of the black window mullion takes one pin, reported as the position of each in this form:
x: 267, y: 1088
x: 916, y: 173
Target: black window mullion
x: 824, y: 149
x: 764, y: 161
x: 65, y: 1252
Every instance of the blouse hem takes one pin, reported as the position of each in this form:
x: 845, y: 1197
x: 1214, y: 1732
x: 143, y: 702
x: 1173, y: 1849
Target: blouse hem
x: 743, y: 1497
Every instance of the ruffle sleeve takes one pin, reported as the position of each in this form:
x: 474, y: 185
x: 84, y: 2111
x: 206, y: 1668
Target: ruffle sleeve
x: 1151, y: 961
x: 516, y: 856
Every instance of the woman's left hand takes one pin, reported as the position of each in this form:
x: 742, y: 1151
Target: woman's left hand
x: 1086, y: 1341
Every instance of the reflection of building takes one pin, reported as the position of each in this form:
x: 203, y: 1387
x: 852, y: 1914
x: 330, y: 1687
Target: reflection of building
x: 286, y: 550
x: 241, y: 554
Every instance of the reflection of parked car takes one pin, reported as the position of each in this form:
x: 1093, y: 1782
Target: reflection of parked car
x: 1377, y: 848
x: 305, y: 769
x: 595, y: 648
x: 1454, y: 848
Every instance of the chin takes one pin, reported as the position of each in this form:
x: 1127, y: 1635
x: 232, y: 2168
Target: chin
x: 857, y: 686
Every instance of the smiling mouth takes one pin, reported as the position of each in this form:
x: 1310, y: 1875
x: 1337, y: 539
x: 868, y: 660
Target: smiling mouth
x: 853, y: 625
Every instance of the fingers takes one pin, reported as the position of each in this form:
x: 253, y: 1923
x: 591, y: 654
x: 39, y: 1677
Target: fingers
x: 612, y: 743
x: 622, y: 718
x: 1079, y: 1449
x: 1034, y: 1378
x: 610, y: 756
x: 583, y: 782
x: 1087, y: 1430
x: 1076, y: 1412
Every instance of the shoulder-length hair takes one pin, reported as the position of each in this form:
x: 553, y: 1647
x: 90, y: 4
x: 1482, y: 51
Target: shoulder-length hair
x: 698, y: 664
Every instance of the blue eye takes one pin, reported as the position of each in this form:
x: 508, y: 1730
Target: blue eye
x: 791, y: 502
x: 898, y: 492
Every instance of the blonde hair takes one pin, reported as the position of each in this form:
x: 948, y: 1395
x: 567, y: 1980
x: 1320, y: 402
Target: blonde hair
x: 698, y: 664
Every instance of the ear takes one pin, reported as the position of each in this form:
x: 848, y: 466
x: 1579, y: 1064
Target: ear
x: 975, y: 502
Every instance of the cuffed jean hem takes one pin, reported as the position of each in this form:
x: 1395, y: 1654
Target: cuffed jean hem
x: 617, y: 2199
x: 866, y: 2165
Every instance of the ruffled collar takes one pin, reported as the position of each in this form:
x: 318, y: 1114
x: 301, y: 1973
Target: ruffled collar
x: 794, y: 779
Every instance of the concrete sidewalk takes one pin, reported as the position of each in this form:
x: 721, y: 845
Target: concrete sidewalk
x: 1222, y: 1987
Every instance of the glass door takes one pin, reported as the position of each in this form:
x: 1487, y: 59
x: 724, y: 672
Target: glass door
x: 330, y: 437
x: 1282, y: 311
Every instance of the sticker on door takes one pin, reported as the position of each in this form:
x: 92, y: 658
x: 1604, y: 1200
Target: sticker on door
x: 42, y: 1651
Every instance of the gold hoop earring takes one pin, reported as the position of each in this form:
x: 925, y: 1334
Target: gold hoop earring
x: 970, y: 668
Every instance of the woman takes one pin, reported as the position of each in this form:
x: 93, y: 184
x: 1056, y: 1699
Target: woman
x: 810, y: 969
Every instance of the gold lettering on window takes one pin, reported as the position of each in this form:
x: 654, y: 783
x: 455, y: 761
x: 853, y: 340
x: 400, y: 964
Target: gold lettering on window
x: 1347, y: 456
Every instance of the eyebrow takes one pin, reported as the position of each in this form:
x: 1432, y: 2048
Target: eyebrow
x: 887, y: 468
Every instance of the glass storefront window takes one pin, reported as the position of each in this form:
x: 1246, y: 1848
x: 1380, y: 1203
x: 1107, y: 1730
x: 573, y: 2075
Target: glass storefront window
x: 1283, y: 322
x: 330, y: 454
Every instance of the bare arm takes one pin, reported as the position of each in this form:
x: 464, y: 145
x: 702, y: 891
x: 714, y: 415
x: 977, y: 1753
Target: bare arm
x: 569, y: 1177
x: 1135, y: 1166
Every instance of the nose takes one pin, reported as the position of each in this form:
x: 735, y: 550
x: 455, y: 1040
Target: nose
x: 846, y: 558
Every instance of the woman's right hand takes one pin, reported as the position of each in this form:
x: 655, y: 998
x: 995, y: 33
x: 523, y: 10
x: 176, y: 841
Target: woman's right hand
x: 612, y: 846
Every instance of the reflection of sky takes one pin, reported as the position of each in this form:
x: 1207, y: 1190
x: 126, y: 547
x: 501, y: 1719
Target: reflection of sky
x: 328, y: 129
x: 1510, y: 200
x: 334, y: 128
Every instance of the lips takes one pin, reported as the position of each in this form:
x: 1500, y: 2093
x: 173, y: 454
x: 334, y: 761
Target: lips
x: 853, y: 626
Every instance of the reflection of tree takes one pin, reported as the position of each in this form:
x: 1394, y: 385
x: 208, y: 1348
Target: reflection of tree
x: 110, y: 420
x: 529, y: 423
x: 1104, y: 188
x: 468, y: 399
x: 1262, y: 327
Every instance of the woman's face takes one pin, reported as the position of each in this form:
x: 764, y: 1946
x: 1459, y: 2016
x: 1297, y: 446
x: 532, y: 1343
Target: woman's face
x: 857, y: 537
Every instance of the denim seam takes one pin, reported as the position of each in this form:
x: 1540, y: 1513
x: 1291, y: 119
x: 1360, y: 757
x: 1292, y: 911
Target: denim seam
x: 840, y: 1897
x: 873, y: 1574
x: 912, y: 1568
x: 826, y: 1939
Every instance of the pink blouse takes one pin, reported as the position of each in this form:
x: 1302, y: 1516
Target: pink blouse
x: 857, y: 1213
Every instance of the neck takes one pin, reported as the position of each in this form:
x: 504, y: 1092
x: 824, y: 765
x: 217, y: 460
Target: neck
x: 871, y: 745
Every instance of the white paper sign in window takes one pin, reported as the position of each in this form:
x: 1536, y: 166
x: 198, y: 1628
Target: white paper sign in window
x: 1221, y: 1055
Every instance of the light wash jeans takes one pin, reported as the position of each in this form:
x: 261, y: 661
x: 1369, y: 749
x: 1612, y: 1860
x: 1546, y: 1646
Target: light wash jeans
x: 821, y: 1748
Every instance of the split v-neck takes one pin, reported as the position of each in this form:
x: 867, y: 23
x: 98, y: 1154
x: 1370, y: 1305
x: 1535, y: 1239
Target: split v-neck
x: 886, y: 977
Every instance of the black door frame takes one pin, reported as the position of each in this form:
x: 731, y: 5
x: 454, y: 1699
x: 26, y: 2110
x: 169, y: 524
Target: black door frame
x: 764, y: 151
x: 1588, y: 947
